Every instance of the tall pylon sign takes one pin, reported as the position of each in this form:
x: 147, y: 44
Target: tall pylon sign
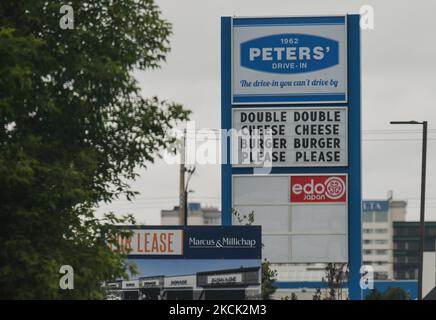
x: 290, y: 90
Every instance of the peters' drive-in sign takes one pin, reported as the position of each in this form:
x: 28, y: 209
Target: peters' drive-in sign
x: 291, y: 136
x: 291, y: 94
x: 289, y: 60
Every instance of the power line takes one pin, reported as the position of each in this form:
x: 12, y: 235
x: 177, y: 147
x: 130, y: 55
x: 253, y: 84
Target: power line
x: 384, y: 140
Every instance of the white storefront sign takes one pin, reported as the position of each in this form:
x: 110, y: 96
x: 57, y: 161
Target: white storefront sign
x: 290, y: 137
x: 149, y: 283
x: 130, y: 284
x: 180, y: 281
x: 225, y: 278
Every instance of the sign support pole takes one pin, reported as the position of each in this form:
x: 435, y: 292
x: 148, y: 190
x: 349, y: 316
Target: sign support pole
x: 355, y: 155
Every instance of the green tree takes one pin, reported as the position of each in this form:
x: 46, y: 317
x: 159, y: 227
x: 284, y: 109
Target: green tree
x: 336, y: 275
x: 268, y: 279
x: 391, y: 293
x: 318, y: 294
x: 268, y: 275
x: 375, y: 294
x: 74, y: 127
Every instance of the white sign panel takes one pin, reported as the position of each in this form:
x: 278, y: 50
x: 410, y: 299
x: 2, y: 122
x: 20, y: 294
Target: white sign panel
x: 289, y: 60
x: 150, y: 283
x: 225, y: 279
x: 130, y: 284
x: 180, y: 281
x: 290, y: 137
x: 303, y: 217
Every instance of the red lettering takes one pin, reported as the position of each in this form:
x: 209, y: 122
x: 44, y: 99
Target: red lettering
x: 170, y: 242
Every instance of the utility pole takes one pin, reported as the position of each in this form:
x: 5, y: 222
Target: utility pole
x: 182, y: 196
x: 190, y: 172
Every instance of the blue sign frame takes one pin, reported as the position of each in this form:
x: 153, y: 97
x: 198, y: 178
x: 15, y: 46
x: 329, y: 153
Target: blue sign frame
x: 354, y: 145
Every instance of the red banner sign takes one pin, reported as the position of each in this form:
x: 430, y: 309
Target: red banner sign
x: 312, y: 189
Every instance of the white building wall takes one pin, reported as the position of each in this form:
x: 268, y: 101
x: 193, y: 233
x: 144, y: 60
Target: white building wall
x: 382, y: 262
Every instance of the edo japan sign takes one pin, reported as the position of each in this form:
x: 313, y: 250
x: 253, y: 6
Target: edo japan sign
x: 289, y: 60
x: 290, y: 137
x: 318, y: 189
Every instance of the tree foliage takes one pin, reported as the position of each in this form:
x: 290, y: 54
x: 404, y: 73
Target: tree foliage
x: 73, y: 129
x: 391, y: 293
x: 336, y: 274
x: 268, y: 279
x: 268, y: 275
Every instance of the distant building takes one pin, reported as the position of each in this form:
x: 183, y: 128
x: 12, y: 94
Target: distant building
x: 406, y: 247
x: 378, y: 217
x: 197, y: 215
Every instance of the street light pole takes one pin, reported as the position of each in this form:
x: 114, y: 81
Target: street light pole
x: 422, y: 211
x: 422, y: 204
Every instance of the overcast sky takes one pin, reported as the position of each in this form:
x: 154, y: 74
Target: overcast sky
x: 398, y: 83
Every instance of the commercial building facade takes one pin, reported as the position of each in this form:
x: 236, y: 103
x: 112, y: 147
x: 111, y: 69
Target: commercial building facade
x: 378, y: 217
x: 229, y: 284
x: 406, y: 247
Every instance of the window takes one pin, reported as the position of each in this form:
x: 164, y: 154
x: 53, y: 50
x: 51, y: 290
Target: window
x: 381, y: 241
x: 412, y: 259
x: 410, y: 245
x: 429, y: 244
x: 368, y: 216
x: 400, y: 259
x: 381, y: 216
x: 367, y: 241
x: 406, y: 232
x: 380, y: 275
x: 430, y: 231
x: 399, y: 245
x: 381, y: 252
x: 367, y: 251
x: 367, y: 230
x: 212, y: 221
x: 381, y: 230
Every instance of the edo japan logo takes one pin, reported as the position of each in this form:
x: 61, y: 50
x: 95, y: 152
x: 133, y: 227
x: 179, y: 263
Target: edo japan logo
x: 335, y: 188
